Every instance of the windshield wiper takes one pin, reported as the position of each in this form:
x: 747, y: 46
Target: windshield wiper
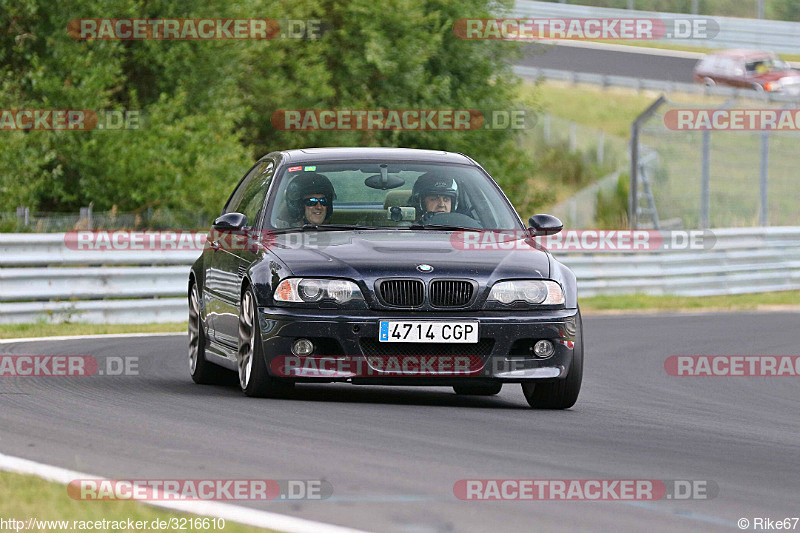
x: 324, y: 227
x: 441, y: 227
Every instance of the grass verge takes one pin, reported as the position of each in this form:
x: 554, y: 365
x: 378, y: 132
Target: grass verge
x: 609, y: 110
x: 23, y: 497
x: 764, y: 301
x: 37, y: 329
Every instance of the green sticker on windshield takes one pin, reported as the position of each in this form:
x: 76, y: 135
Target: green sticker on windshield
x: 310, y: 169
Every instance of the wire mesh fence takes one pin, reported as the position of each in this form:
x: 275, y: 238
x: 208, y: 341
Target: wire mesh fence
x: 605, y: 153
x: 25, y: 220
x: 600, y: 147
x: 716, y: 177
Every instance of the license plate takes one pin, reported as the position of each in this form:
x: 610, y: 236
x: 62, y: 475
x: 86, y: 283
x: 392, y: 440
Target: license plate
x: 427, y: 331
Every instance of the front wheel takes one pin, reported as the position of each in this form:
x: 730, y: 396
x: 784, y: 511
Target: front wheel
x: 201, y: 370
x: 562, y: 393
x: 253, y: 375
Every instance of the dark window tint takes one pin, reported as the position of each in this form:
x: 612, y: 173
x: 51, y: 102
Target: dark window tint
x: 248, y: 198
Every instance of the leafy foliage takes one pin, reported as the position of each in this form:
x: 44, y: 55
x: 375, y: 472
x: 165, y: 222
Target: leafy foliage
x: 207, y: 104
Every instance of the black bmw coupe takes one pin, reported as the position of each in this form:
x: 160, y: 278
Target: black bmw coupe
x: 382, y: 266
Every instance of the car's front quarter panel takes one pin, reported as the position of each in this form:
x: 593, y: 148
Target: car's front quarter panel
x: 562, y: 274
x: 265, y: 274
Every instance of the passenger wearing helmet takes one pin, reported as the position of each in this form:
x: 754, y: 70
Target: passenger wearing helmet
x: 433, y: 193
x: 309, y: 199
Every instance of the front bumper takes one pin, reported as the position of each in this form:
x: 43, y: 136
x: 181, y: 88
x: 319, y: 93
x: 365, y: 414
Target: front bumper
x: 504, y: 350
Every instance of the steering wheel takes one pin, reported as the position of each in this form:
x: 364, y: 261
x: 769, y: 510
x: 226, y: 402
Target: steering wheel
x: 450, y: 219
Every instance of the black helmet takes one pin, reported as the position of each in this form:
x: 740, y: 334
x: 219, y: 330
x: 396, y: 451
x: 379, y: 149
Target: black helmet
x: 433, y: 184
x: 307, y: 184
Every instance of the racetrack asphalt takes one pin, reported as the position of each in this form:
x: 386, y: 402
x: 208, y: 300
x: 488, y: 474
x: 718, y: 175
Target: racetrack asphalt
x: 637, y: 63
x: 393, y: 454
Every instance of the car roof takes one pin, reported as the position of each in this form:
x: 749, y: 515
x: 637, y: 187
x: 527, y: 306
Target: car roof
x: 378, y: 153
x: 742, y: 53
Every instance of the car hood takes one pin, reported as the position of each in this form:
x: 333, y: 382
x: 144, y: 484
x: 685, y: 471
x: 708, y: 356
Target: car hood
x: 775, y: 75
x: 369, y: 255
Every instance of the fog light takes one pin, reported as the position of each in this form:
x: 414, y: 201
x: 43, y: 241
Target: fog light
x: 544, y: 349
x: 303, y: 347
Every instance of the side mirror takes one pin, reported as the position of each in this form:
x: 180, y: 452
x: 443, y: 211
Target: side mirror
x: 545, y: 224
x: 230, y: 221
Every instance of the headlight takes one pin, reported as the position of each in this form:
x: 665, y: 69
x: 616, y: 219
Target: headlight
x: 309, y: 290
x: 535, y: 292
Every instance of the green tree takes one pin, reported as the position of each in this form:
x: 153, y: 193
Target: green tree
x: 189, y: 149
x: 393, y: 55
x: 785, y: 10
x: 207, y: 105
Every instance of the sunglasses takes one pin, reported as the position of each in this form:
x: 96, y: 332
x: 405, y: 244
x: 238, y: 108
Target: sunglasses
x: 311, y: 202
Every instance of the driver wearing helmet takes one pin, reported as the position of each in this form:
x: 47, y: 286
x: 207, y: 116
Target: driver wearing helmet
x: 309, y: 199
x: 432, y: 194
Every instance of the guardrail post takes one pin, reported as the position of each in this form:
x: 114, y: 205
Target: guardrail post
x: 763, y: 219
x: 547, y: 127
x: 601, y: 147
x: 23, y: 214
x: 573, y: 137
x: 86, y: 214
x: 705, y: 191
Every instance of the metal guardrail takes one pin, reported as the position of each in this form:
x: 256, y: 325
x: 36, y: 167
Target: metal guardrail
x: 640, y: 84
x: 61, y: 284
x: 773, y: 35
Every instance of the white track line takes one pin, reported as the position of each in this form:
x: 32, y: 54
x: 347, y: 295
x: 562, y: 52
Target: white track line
x: 79, y: 337
x: 234, y: 513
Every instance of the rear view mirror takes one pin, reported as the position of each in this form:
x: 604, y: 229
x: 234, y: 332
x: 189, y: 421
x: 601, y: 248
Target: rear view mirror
x: 230, y: 221
x: 545, y: 224
x: 384, y: 182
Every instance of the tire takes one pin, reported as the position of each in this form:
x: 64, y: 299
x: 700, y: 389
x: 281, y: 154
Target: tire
x: 562, y: 393
x: 254, y: 379
x: 478, y: 390
x: 202, y: 372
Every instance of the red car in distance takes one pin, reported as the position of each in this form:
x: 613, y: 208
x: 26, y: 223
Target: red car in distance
x: 762, y: 71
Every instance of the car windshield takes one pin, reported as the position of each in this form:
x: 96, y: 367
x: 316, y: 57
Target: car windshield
x: 372, y: 194
x: 766, y: 64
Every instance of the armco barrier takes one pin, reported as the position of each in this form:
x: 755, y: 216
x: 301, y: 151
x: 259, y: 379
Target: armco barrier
x: 640, y: 84
x: 40, y: 279
x: 773, y: 35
